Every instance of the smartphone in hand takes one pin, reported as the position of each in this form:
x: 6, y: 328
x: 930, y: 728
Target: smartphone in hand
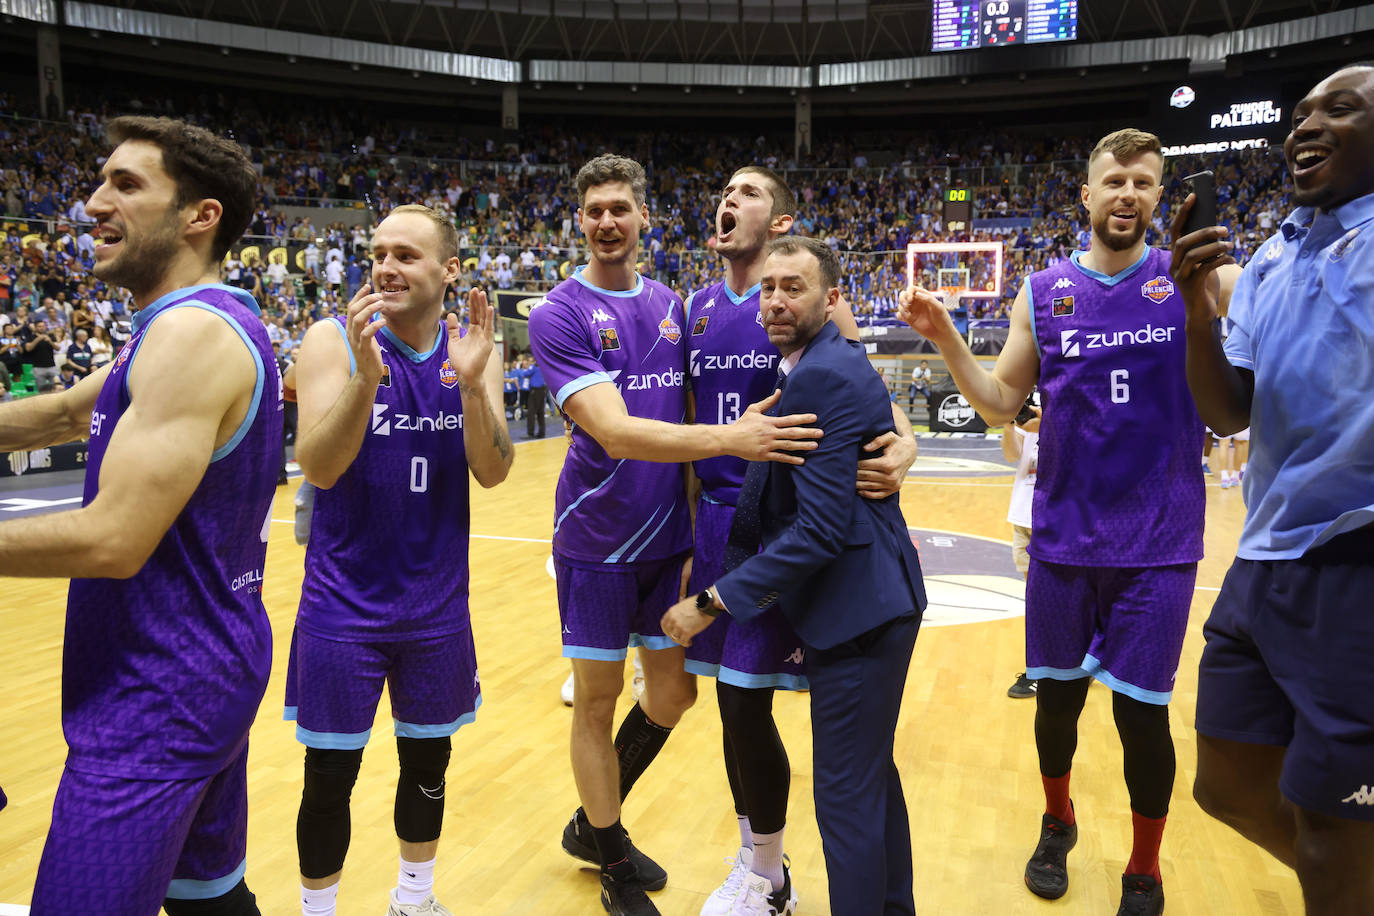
x: 1204, y: 212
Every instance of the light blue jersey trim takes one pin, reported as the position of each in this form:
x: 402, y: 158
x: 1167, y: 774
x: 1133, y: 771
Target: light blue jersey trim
x: 620, y: 551
x: 408, y: 352
x: 352, y: 360
x: 579, y: 499
x: 594, y: 654
x: 1056, y: 674
x: 1030, y: 303
x: 687, y: 307
x: 190, y: 889
x: 577, y: 384
x: 650, y: 539
x: 411, y: 730
x: 707, y: 497
x: 332, y: 741
x: 618, y: 293
x: 598, y: 654
x: 1102, y: 278
x: 156, y: 310
x: 751, y: 291
x: 1153, y: 697
x: 653, y: 643
x: 744, y: 679
x: 289, y: 713
x: 159, y: 305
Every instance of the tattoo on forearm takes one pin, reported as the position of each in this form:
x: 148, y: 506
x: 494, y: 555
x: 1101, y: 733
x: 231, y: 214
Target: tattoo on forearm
x: 499, y: 437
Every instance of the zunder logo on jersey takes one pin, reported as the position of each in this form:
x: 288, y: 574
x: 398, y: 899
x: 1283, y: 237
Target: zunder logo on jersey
x: 1158, y: 289
x: 448, y: 376
x: 1068, y: 347
x: 668, y: 329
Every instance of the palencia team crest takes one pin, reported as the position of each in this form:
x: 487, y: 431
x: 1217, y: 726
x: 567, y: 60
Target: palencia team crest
x: 668, y: 329
x: 1158, y: 289
x: 448, y: 376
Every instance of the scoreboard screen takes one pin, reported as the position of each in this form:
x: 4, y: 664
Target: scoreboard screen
x: 957, y: 213
x: 958, y: 25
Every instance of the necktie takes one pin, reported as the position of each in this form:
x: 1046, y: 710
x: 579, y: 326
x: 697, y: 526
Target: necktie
x: 746, y: 530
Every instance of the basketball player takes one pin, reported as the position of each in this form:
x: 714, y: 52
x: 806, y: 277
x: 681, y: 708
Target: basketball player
x: 167, y: 646
x: 610, y: 343
x: 731, y: 364
x: 1285, y: 733
x: 1117, y: 513
x: 396, y: 407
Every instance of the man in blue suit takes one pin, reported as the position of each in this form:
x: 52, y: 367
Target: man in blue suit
x: 845, y: 573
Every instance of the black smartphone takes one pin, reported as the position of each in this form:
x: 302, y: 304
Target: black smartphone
x: 1204, y: 212
x: 1026, y: 414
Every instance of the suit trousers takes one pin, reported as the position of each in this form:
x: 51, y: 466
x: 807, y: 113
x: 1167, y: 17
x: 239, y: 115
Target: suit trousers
x: 856, y: 695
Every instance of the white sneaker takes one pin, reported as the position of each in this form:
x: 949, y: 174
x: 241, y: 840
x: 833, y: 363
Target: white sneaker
x: 430, y: 907
x: 566, y: 692
x: 759, y: 899
x: 722, y: 899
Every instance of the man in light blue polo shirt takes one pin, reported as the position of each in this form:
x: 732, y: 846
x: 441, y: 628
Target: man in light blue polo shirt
x: 1285, y: 718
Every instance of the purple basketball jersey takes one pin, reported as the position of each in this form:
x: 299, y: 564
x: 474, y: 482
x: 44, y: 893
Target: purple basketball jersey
x: 162, y: 673
x: 732, y: 364
x: 1119, y: 483
x: 609, y: 511
x: 388, y: 553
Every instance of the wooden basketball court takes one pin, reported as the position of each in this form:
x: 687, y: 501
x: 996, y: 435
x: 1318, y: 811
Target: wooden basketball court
x: 966, y: 751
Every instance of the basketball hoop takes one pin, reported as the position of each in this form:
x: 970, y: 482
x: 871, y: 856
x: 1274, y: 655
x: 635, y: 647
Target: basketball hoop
x: 951, y: 294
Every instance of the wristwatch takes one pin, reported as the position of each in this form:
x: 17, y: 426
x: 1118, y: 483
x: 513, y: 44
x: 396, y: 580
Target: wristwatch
x: 706, y: 602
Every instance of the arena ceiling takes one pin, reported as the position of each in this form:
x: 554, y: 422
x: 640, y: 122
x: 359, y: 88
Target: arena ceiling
x: 777, y: 32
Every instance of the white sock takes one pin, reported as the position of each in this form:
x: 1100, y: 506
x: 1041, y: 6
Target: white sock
x: 1244, y: 466
x: 415, y: 881
x: 768, y: 857
x: 746, y: 836
x: 319, y: 902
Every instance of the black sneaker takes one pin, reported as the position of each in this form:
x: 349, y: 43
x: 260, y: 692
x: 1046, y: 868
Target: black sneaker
x: 783, y: 901
x: 625, y: 898
x: 1023, y: 688
x: 1047, y: 872
x: 1141, y: 895
x: 579, y: 843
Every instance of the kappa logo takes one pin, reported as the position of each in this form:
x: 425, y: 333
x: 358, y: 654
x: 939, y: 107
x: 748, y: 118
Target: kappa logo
x: 669, y: 330
x: 381, y: 424
x: 599, y: 315
x: 1063, y: 283
x: 448, y: 376
x: 1364, y: 795
x: 709, y: 302
x: 699, y: 327
x: 1068, y: 347
x: 1158, y: 289
x: 1062, y: 307
x: 1274, y: 250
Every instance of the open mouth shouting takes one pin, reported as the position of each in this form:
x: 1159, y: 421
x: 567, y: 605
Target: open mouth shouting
x: 725, y: 226
x: 107, y: 237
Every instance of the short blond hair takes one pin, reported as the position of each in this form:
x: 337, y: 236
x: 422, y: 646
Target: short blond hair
x: 448, y: 233
x: 1125, y: 145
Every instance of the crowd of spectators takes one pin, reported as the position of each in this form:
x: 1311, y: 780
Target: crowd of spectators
x: 328, y: 175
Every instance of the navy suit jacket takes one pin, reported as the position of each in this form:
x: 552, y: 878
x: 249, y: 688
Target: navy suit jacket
x: 838, y: 564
